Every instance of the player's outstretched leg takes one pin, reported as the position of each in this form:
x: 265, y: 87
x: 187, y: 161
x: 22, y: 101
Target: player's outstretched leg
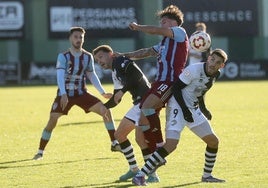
x: 46, y: 134
x: 210, y: 159
x: 153, y: 177
x: 123, y: 130
x: 106, y: 114
x: 43, y: 142
x: 154, y: 121
x: 156, y: 160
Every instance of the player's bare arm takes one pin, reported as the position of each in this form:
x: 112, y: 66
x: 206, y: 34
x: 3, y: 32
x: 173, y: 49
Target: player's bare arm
x: 140, y: 54
x: 154, y: 30
x: 118, y: 96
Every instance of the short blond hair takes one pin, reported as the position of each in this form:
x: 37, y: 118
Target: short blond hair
x: 201, y: 25
x: 104, y: 48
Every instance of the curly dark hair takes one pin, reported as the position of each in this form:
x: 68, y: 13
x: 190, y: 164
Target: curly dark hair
x: 172, y: 12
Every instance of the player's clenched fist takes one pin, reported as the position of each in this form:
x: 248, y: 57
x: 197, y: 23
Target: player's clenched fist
x: 133, y: 26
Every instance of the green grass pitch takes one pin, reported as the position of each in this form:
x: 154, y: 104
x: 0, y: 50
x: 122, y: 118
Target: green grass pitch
x: 79, y: 155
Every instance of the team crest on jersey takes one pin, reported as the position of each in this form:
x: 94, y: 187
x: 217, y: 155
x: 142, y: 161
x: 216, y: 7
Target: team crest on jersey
x: 124, y: 63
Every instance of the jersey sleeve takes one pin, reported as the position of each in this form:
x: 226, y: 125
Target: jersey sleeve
x: 92, y: 76
x: 187, y: 75
x: 61, y: 81
x: 90, y: 67
x: 61, y: 62
x: 179, y: 34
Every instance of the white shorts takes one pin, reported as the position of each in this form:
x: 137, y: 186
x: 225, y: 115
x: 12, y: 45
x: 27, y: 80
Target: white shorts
x: 134, y: 114
x: 175, y: 121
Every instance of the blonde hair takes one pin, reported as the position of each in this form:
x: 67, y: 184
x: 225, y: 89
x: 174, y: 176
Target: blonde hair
x: 201, y: 25
x: 104, y: 48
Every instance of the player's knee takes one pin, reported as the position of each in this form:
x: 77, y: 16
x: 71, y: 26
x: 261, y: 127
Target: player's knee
x: 216, y: 142
x: 170, y: 147
x: 54, y: 116
x: 53, y: 119
x: 174, y: 147
x: 104, y: 111
x: 213, y: 141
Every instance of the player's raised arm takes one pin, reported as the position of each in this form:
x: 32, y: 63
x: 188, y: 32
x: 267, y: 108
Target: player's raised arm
x: 150, y: 29
x: 140, y: 54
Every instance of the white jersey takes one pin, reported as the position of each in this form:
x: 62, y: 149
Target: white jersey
x: 197, y: 81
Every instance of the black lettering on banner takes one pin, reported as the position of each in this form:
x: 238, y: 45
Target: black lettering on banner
x: 11, y: 11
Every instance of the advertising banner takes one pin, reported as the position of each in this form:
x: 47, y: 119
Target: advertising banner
x: 9, y: 73
x: 11, y: 19
x: 250, y: 70
x: 100, y: 19
x: 222, y: 17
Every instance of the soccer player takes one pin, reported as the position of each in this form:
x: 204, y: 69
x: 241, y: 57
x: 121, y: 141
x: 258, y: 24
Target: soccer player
x: 127, y: 76
x: 195, y: 56
x: 73, y: 66
x: 171, y: 55
x: 184, y: 108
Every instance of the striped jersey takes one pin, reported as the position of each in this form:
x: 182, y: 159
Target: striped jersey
x: 172, y: 55
x: 75, y: 71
